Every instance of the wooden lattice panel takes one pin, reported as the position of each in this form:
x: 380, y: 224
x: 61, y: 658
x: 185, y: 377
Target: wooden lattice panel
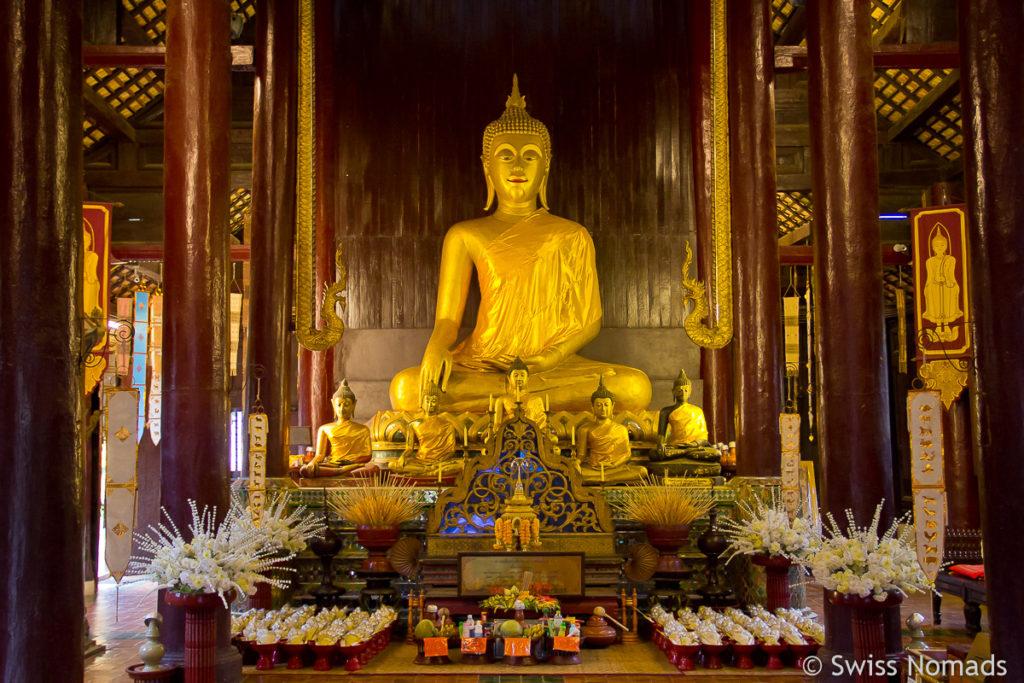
x: 91, y: 132
x: 151, y: 15
x: 897, y: 91
x: 793, y: 209
x: 881, y: 10
x: 942, y: 132
x: 241, y: 203
x: 782, y: 10
x: 126, y: 279
x: 127, y: 91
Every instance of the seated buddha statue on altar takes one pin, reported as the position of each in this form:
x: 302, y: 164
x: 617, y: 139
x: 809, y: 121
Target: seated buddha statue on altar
x: 603, y: 445
x: 342, y: 446
x: 539, y: 297
x: 517, y: 392
x: 430, y: 447
x: 682, y: 429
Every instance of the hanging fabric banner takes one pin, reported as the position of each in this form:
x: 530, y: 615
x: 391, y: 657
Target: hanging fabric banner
x: 140, y: 351
x: 941, y: 301
x: 122, y: 337
x: 789, y: 429
x: 156, y: 337
x: 924, y: 421
x: 258, y: 426
x: 95, y: 285
x: 122, y: 408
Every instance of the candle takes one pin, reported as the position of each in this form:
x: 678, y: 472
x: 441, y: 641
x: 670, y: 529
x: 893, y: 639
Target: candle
x: 490, y: 403
x: 547, y: 403
x: 572, y: 436
x: 465, y: 436
x: 602, y: 473
x: 438, y: 473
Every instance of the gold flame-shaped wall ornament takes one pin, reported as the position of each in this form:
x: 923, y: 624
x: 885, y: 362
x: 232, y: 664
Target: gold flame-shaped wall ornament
x: 305, y: 329
x: 717, y: 307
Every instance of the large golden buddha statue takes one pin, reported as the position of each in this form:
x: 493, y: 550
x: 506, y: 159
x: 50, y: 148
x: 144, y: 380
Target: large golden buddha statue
x: 430, y: 447
x: 342, y: 446
x: 603, y: 445
x: 539, y: 298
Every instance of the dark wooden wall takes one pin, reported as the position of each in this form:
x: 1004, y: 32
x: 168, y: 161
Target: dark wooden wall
x: 420, y: 80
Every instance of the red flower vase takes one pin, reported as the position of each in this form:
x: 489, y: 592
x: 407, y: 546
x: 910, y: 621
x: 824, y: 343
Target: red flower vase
x: 868, y: 626
x: 377, y: 540
x: 776, y: 570
x: 200, y: 632
x: 668, y: 539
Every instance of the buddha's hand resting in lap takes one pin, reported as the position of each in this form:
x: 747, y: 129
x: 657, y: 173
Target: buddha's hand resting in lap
x: 545, y: 360
x: 436, y: 368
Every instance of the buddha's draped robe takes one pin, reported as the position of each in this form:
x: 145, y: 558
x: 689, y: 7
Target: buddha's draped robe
x: 538, y: 288
x: 608, y: 442
x: 687, y: 425
x: 437, y: 439
x: 349, y: 443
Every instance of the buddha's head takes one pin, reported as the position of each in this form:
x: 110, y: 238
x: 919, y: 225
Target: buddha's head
x: 516, y: 156
x: 431, y: 399
x: 518, y: 375
x: 343, y: 401
x: 681, y: 387
x: 602, y: 401
x: 939, y: 244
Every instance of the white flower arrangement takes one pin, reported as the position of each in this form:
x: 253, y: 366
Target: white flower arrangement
x: 287, y: 532
x: 862, y: 563
x: 766, y: 529
x: 217, y: 559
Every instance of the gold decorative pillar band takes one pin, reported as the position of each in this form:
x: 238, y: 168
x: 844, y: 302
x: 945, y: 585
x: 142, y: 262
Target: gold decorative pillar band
x: 121, y: 432
x: 258, y: 427
x: 717, y: 307
x: 924, y: 420
x: 789, y: 429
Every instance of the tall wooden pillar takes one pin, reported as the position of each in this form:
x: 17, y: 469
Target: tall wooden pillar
x: 197, y: 124
x: 715, y: 364
x: 853, y: 405
x: 850, y: 343
x: 961, y: 479
x: 40, y: 341
x: 268, y: 357
x: 757, y: 367
x: 316, y: 386
x: 992, y: 91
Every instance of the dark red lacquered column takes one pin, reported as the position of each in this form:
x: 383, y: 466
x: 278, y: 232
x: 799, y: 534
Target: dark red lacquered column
x: 853, y: 394
x: 853, y: 403
x: 715, y: 364
x: 197, y: 123
x: 992, y: 91
x: 268, y: 356
x: 957, y: 441
x: 40, y: 341
x: 757, y: 374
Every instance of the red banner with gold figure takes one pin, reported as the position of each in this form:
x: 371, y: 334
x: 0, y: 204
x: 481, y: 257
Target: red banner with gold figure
x: 96, y: 219
x: 941, y: 279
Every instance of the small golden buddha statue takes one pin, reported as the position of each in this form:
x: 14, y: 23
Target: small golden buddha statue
x: 430, y: 448
x: 603, y: 445
x: 517, y: 391
x: 682, y: 429
x: 539, y: 297
x: 342, y: 446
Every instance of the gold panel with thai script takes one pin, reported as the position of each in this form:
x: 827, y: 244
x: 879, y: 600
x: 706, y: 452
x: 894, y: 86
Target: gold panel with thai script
x: 924, y: 421
x: 121, y: 419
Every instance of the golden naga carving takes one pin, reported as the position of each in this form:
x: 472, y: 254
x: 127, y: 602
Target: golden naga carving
x: 305, y: 328
x: 718, y: 331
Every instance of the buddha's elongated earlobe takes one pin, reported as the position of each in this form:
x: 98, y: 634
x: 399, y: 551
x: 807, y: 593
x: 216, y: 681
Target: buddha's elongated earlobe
x: 490, y: 187
x: 544, y: 192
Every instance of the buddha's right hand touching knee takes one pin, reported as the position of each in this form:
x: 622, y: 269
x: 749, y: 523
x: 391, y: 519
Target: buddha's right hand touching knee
x: 436, y: 367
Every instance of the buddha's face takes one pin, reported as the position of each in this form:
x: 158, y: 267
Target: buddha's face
x: 681, y: 392
x: 517, y: 167
x: 603, y: 408
x: 939, y: 245
x: 517, y: 379
x: 344, y: 407
x: 430, y: 404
